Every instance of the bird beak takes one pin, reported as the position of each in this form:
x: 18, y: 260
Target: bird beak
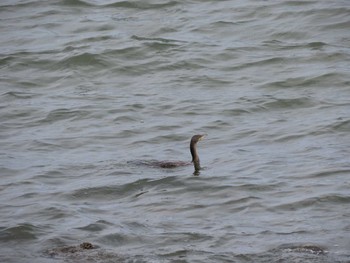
x: 201, y: 138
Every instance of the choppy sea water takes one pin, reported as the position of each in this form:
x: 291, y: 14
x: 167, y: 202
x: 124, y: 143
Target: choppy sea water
x: 92, y: 89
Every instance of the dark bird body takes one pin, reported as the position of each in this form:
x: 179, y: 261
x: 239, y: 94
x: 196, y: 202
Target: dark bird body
x: 173, y: 164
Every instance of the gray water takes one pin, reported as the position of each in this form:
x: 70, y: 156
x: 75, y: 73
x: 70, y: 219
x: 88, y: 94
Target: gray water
x: 92, y: 89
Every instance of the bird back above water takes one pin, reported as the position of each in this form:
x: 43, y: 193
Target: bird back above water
x: 174, y: 164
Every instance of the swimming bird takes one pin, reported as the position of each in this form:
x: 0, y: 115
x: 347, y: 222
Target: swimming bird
x: 173, y: 164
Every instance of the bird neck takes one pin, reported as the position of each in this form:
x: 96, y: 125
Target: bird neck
x: 195, y: 157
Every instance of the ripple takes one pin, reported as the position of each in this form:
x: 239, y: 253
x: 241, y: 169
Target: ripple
x: 143, y: 5
x: 304, y: 82
x: 314, y: 201
x: 19, y: 95
x: 96, y: 227
x: 83, y: 60
x: 128, y: 190
x: 64, y: 114
x: 295, y: 103
x: 22, y: 232
x: 329, y: 173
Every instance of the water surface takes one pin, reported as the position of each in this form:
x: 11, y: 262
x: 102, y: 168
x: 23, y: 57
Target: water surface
x: 91, y: 88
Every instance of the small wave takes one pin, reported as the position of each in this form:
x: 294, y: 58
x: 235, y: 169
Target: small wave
x: 64, y: 114
x: 304, y: 248
x: 281, y: 45
x: 158, y: 39
x: 321, y: 80
x: 313, y: 201
x: 329, y: 173
x: 111, y: 192
x: 19, y: 94
x: 98, y: 226
x: 82, y: 60
x: 120, y: 4
x: 20, y: 232
x: 295, y: 103
x: 157, y: 44
x: 340, y: 126
x: 142, y: 4
x: 76, y: 3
